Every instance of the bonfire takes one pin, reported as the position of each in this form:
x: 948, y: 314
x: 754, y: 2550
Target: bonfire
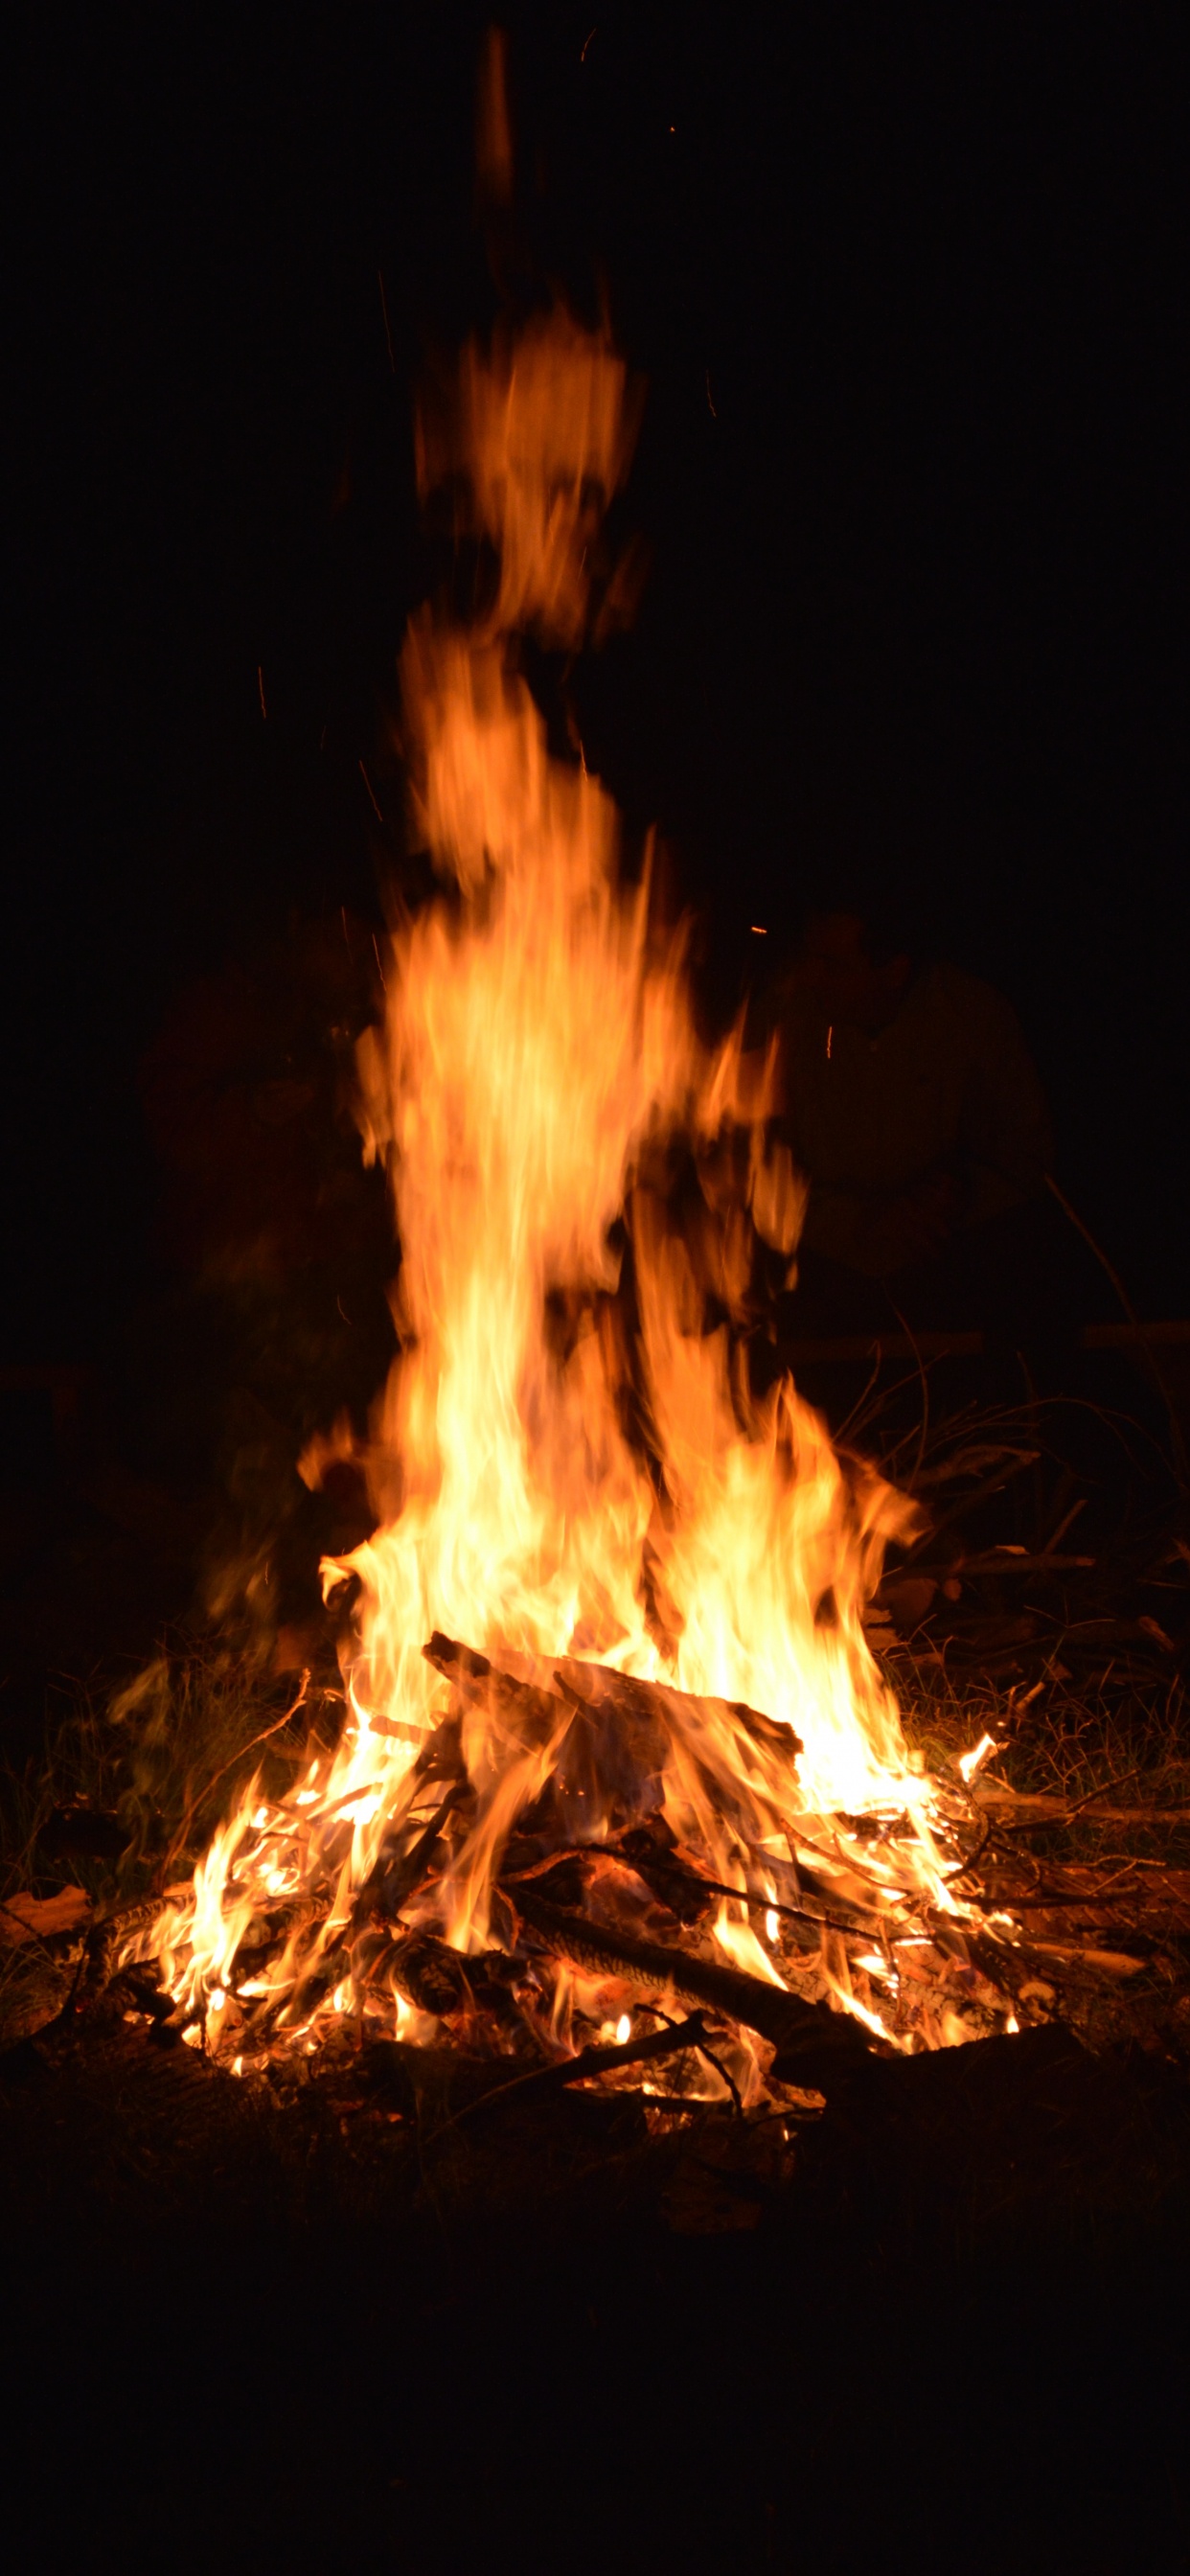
x: 618, y: 1772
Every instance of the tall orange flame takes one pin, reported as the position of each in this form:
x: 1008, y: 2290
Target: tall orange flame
x: 573, y: 1478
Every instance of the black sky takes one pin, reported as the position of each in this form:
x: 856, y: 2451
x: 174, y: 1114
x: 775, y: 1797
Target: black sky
x: 906, y: 286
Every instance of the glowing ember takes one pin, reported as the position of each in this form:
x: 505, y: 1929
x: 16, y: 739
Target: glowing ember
x: 519, y: 1838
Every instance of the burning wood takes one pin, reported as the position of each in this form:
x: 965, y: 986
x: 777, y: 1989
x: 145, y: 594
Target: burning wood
x: 804, y: 2034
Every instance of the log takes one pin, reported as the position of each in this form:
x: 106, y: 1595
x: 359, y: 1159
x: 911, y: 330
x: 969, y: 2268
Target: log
x: 596, y: 1689
x: 820, y: 2040
x: 659, y: 1703
x: 668, y: 1877
x: 478, y: 1682
x: 537, y: 2080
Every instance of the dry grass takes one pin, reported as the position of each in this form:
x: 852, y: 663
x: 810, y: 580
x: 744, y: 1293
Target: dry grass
x: 148, y: 1769
x: 161, y: 1758
x: 1062, y: 1528
x: 1089, y: 1749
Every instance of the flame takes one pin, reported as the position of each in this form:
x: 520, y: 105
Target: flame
x: 568, y: 1465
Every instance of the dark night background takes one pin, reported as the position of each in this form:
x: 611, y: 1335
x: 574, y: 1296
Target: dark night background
x: 923, y: 553
x: 906, y: 284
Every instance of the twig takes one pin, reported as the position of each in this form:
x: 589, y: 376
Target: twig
x: 859, y: 1929
x: 28, y: 1931
x: 729, y: 2080
x: 1060, y: 1533
x: 589, y: 2061
x: 1104, y: 1789
x: 667, y: 1867
x: 412, y: 1868
x: 1035, y: 1807
x: 977, y: 1854
x: 860, y: 1402
x: 1002, y: 1560
x: 179, y: 1842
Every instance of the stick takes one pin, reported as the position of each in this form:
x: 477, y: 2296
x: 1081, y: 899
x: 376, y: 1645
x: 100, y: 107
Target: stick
x: 1042, y: 1808
x: 1002, y: 1561
x: 792, y: 2026
x: 477, y: 1680
x: 411, y: 1870
x: 655, y: 1872
x: 192, y: 1804
x: 589, y: 2061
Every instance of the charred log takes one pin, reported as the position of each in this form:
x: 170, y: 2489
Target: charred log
x: 818, y: 2040
x: 538, y: 2081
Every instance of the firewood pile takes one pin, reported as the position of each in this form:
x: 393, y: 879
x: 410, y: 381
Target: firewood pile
x: 661, y: 2027
x: 688, y: 2088
x: 1068, y: 1846
x: 609, y: 1948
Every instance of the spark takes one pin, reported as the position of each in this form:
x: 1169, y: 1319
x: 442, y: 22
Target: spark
x: 829, y: 1035
x: 260, y: 685
x: 710, y: 405
x: 760, y: 930
x: 368, y: 784
x: 594, y: 31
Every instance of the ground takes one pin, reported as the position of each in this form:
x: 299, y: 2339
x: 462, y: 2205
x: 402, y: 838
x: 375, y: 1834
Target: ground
x: 328, y: 2320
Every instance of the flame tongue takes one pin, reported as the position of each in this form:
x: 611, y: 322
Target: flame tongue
x: 580, y: 1471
